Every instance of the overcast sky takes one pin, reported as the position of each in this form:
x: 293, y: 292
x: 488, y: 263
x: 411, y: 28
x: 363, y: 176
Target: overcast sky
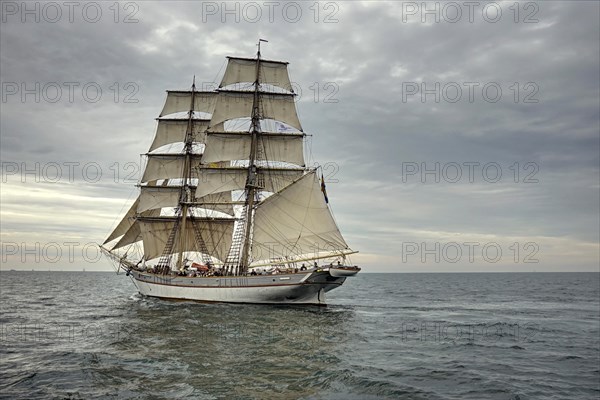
x: 500, y: 103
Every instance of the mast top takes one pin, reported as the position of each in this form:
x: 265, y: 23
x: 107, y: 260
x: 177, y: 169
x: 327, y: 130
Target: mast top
x: 260, y: 40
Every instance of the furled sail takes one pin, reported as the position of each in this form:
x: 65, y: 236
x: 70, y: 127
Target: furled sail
x: 215, y: 180
x: 216, y: 234
x: 171, y: 131
x: 295, y: 221
x: 243, y: 70
x: 224, y: 146
x: 231, y: 104
x: 180, y: 100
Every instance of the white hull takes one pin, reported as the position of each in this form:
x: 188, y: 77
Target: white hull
x: 302, y: 288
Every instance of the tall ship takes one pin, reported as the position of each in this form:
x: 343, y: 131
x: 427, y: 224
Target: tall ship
x: 228, y: 210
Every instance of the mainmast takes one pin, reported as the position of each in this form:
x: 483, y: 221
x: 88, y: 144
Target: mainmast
x: 251, y: 182
x: 184, y: 196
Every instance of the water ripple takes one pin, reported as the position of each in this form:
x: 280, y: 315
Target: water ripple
x: 410, y: 336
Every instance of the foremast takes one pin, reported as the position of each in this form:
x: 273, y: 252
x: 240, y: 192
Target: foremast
x: 184, y: 196
x: 251, y: 181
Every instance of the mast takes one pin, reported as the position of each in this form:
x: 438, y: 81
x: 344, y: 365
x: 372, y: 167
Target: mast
x: 251, y: 184
x: 187, y: 176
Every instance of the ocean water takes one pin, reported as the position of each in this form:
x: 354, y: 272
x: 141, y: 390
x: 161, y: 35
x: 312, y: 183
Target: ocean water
x: 506, y: 336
